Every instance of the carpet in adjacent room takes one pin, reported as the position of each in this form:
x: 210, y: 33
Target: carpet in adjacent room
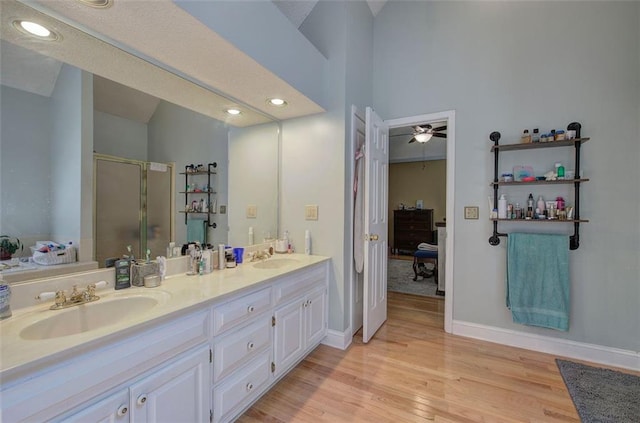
x: 602, y: 395
x: 400, y: 279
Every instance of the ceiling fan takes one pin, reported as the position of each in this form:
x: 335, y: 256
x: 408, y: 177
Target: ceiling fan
x: 423, y: 133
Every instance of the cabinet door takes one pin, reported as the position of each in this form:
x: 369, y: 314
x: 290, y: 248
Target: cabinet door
x: 112, y: 409
x: 176, y: 393
x: 289, y: 335
x: 316, y: 317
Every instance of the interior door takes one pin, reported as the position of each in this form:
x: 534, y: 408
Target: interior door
x: 376, y: 156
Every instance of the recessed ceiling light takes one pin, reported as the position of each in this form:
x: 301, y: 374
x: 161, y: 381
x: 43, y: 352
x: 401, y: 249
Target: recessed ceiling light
x: 102, y: 4
x: 34, y: 29
x: 278, y: 102
x: 233, y: 111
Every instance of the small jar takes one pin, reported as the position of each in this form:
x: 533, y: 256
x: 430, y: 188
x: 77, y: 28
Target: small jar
x: 560, y: 135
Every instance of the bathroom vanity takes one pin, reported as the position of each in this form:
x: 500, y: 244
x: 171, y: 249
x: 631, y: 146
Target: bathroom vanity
x: 203, y: 348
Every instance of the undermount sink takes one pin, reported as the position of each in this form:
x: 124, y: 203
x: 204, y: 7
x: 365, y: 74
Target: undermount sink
x: 275, y: 263
x: 91, y: 316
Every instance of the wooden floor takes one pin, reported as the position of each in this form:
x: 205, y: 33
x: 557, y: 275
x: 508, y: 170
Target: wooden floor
x: 412, y: 371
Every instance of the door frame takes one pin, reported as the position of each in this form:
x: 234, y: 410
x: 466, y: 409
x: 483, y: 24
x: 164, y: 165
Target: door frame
x: 450, y: 117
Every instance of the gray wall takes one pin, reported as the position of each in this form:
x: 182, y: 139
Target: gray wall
x: 24, y: 192
x: 120, y: 137
x: 507, y: 66
x: 184, y: 137
x: 314, y: 149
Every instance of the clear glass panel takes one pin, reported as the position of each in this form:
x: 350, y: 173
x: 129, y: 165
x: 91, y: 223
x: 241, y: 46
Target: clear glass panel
x: 118, y: 208
x: 159, y: 213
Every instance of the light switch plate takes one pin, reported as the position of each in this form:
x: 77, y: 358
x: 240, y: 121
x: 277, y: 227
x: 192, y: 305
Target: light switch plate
x: 311, y: 212
x: 471, y: 212
x: 223, y: 209
x: 252, y: 211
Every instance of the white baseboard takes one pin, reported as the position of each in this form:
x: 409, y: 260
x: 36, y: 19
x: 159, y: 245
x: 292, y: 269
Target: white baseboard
x: 336, y: 339
x: 566, y: 348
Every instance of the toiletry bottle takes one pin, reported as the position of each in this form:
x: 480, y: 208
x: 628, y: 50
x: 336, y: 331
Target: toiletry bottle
x: 536, y: 136
x: 518, y: 211
x: 307, y: 242
x: 540, y: 206
x: 526, y: 137
x: 530, y: 207
x: 250, y: 239
x: 502, y: 207
x: 559, y: 171
x: 286, y: 240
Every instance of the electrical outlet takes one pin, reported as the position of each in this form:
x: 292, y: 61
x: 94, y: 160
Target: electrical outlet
x: 471, y: 212
x: 223, y: 209
x: 311, y: 212
x: 252, y: 211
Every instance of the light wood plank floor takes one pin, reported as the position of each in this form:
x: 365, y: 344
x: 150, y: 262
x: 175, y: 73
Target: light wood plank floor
x: 412, y: 371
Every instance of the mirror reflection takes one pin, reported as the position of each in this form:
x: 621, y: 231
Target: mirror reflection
x: 61, y: 125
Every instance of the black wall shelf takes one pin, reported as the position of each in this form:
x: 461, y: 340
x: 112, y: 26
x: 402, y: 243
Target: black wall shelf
x: 496, y: 148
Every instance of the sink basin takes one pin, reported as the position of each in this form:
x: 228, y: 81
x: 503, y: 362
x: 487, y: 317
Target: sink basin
x: 275, y: 263
x: 91, y: 316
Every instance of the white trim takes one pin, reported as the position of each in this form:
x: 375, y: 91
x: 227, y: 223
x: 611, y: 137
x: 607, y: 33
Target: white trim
x: 450, y: 117
x: 336, y: 339
x: 563, y: 347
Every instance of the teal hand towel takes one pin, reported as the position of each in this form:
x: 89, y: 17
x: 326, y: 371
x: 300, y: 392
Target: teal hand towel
x: 195, y: 230
x: 538, y: 279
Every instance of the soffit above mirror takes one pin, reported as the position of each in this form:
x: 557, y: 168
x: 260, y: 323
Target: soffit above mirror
x: 166, y: 35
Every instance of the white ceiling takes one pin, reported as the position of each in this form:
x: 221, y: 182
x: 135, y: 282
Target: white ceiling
x: 166, y: 34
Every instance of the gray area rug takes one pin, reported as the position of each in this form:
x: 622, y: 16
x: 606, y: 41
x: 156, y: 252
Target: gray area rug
x: 400, y: 279
x: 602, y: 395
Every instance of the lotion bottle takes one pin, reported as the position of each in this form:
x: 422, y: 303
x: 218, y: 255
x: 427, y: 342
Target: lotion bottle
x: 502, y: 207
x: 307, y: 242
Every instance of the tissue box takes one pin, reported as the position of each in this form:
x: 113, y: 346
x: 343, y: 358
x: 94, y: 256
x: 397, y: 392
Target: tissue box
x: 140, y: 270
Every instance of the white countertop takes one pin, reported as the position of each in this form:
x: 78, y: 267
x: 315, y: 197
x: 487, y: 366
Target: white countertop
x: 18, y: 356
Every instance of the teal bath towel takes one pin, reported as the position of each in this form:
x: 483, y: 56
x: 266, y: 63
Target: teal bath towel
x: 538, y: 279
x: 195, y: 230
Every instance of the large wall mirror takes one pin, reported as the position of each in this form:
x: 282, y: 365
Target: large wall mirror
x: 58, y: 121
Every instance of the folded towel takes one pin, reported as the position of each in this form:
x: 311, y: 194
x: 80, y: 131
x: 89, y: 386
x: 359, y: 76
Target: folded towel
x: 538, y: 279
x: 195, y: 230
x: 427, y: 247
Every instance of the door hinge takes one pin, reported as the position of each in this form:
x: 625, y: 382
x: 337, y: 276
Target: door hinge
x: 211, y: 416
x: 273, y: 367
x: 273, y: 320
x: 210, y: 355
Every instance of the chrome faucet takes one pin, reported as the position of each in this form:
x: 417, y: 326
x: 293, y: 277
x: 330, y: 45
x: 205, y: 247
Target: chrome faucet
x: 75, y: 298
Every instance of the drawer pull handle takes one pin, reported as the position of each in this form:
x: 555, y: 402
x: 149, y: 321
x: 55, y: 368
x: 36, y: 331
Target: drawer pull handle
x: 250, y: 346
x: 142, y: 399
x: 122, y: 410
x: 251, y: 309
x: 249, y: 386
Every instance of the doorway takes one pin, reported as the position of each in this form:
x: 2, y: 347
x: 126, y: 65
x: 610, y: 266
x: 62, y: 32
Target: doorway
x: 356, y: 278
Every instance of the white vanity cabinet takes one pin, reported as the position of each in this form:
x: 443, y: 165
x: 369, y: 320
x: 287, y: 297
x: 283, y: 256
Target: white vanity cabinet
x: 208, y: 363
x: 300, y: 318
x: 159, y: 362
x: 175, y: 392
x: 241, y: 352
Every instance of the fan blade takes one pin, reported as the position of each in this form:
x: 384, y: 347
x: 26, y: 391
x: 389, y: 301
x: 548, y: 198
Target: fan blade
x: 412, y: 140
x: 440, y: 128
x: 401, y: 135
x: 440, y: 135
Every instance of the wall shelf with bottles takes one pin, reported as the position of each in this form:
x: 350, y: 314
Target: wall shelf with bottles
x: 576, y: 143
x: 192, y: 187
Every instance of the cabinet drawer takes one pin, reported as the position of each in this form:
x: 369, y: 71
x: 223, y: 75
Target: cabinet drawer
x: 235, y: 349
x: 240, y: 310
x: 298, y: 284
x: 242, y: 388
